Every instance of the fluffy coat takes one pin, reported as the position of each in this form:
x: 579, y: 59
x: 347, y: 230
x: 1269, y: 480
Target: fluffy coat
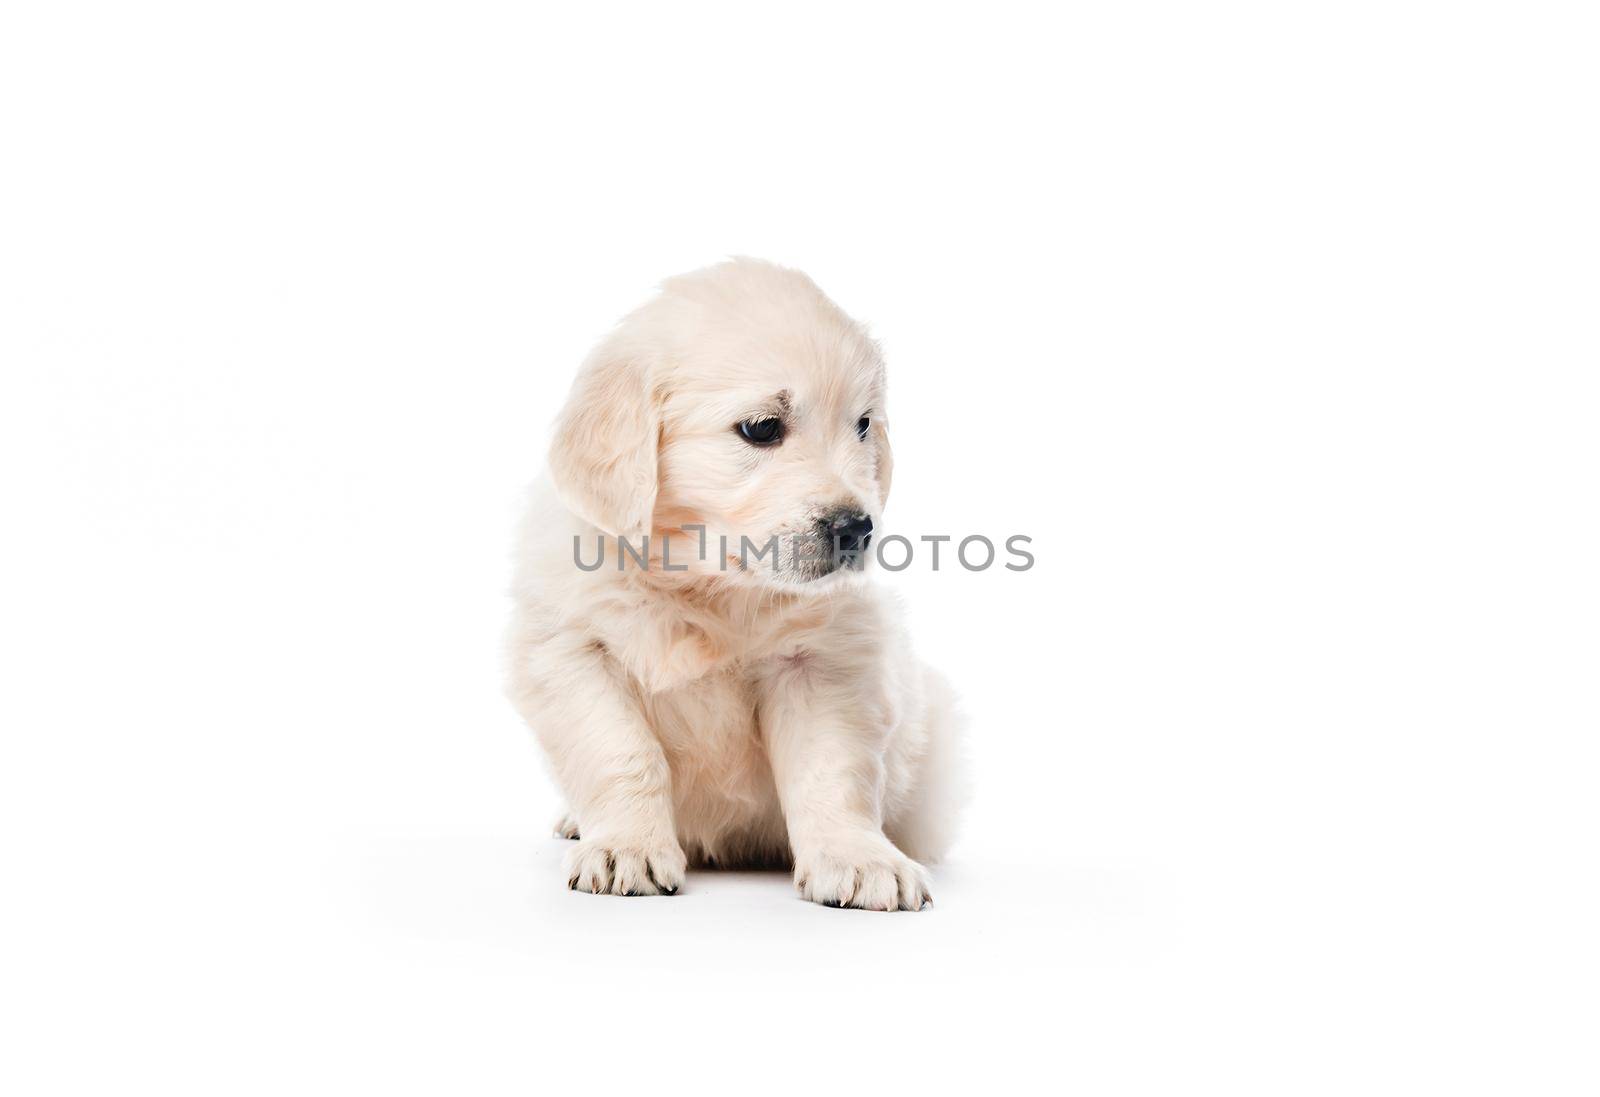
x: 728, y: 713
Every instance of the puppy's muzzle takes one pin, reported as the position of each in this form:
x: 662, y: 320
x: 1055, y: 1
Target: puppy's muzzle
x: 848, y: 532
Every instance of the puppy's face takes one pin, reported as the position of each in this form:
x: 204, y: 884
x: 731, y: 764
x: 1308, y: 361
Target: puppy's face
x: 762, y: 407
x: 781, y: 452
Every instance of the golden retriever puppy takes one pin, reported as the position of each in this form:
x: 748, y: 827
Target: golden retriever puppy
x: 694, y: 640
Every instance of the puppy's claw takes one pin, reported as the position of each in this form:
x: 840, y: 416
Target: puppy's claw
x: 663, y: 886
x: 567, y: 827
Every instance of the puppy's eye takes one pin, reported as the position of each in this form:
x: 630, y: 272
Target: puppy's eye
x: 862, y: 425
x: 762, y: 432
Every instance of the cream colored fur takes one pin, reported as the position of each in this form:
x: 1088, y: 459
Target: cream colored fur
x: 720, y: 715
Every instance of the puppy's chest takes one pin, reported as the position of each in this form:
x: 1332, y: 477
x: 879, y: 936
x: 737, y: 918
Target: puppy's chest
x: 708, y: 721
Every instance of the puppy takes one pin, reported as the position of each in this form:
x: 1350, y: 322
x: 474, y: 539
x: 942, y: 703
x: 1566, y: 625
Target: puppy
x: 725, y: 687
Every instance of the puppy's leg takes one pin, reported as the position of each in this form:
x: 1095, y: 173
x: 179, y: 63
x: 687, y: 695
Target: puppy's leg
x: 932, y: 789
x: 827, y: 760
x: 610, y: 765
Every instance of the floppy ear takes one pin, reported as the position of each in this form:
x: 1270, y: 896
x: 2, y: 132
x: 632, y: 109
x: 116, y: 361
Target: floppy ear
x: 603, y: 459
x: 880, y: 434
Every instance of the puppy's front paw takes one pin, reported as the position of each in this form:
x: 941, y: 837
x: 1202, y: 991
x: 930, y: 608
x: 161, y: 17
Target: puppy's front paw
x: 870, y: 874
x: 622, y: 868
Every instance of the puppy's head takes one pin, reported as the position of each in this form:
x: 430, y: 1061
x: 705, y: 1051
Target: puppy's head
x: 741, y: 399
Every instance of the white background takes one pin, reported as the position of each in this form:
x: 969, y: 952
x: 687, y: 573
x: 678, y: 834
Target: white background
x: 1273, y: 325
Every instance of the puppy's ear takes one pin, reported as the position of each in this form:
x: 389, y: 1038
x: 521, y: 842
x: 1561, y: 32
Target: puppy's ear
x: 880, y: 434
x: 603, y: 459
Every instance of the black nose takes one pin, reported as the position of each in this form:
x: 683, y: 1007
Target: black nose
x: 851, y: 531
